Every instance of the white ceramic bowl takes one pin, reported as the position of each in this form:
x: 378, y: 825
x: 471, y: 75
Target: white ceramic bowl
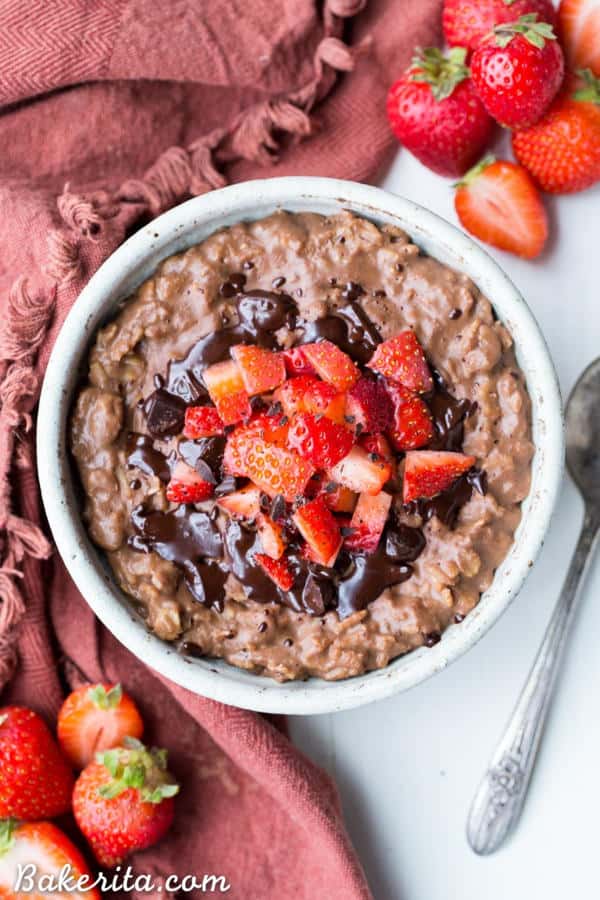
x: 135, y: 261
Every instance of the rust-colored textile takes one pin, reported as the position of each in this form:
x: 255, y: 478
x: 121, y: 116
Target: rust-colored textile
x: 111, y: 112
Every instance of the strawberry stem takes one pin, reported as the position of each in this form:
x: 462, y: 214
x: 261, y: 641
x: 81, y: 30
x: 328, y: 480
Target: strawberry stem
x: 475, y: 171
x: 104, y: 699
x: 135, y: 766
x: 442, y: 73
x: 537, y: 33
x: 7, y: 835
x: 590, y: 92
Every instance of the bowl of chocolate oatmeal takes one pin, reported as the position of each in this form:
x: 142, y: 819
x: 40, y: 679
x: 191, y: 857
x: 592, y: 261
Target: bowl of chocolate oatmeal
x: 299, y: 444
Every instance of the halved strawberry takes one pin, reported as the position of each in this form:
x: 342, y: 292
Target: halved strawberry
x: 319, y: 440
x: 429, y: 472
x: 320, y: 530
x: 278, y: 570
x: 242, y: 504
x: 498, y: 202
x: 402, y: 359
x: 96, y: 717
x: 41, y: 852
x: 296, y: 362
x: 369, y: 405
x: 338, y: 498
x: 412, y: 426
x: 271, y: 536
x: 188, y: 486
x: 359, y: 472
x: 225, y: 386
x: 262, y: 370
x: 368, y: 521
x: 332, y: 364
x: 202, y: 421
x: 274, y: 469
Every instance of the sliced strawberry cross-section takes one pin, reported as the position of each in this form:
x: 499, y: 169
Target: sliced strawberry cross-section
x: 202, y: 421
x: 319, y: 440
x: 319, y: 528
x: 402, y: 359
x: 274, y: 469
x: 278, y: 570
x: 359, y: 472
x: 260, y: 427
x: 368, y: 404
x: 331, y: 364
x: 429, y: 472
x: 262, y: 370
x: 242, y: 504
x: 412, y: 426
x: 188, y: 486
x: 368, y: 521
x: 225, y: 386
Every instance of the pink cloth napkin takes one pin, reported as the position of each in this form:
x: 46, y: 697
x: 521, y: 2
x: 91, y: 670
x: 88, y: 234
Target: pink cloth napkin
x: 111, y: 112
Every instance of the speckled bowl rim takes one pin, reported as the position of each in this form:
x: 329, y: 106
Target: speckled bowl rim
x: 135, y: 261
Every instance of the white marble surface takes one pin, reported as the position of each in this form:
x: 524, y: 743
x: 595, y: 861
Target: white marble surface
x: 408, y: 766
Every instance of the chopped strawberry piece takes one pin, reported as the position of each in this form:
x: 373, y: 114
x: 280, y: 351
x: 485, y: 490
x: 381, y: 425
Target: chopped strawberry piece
x: 260, y: 427
x: 412, y: 426
x: 296, y: 362
x: 202, y: 421
x: 360, y: 473
x: 225, y: 386
x: 188, y: 486
x: 271, y: 536
x: 274, y: 469
x: 262, y: 370
x: 242, y: 504
x: 339, y: 499
x: 402, y: 359
x: 332, y: 364
x: 320, y: 530
x: 308, y: 394
x: 377, y: 445
x: 319, y: 440
x: 369, y: 405
x: 277, y: 569
x: 368, y: 521
x: 429, y: 472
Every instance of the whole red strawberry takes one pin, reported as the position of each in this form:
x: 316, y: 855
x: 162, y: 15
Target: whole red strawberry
x: 518, y: 70
x: 466, y: 22
x: 562, y: 150
x: 35, y: 779
x: 123, y: 802
x: 579, y: 32
x: 436, y: 113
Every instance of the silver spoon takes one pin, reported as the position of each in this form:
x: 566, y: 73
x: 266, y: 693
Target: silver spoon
x: 500, y: 797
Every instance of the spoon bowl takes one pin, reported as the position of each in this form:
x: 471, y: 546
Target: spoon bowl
x: 583, y: 434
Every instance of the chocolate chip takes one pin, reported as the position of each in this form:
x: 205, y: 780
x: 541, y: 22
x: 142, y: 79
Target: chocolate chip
x: 433, y: 638
x: 248, y: 264
x: 283, y: 421
x: 278, y: 507
x: 159, y: 381
x: 165, y: 413
x: 332, y: 281
x: 275, y: 409
x: 262, y: 627
x: 399, y: 267
x: 350, y: 419
x: 456, y: 313
x: 226, y: 486
x: 288, y: 642
x: 346, y: 531
x: 299, y: 292
x: 379, y: 293
x: 352, y: 291
x: 330, y: 487
x: 135, y: 484
x: 278, y: 282
x: 458, y: 618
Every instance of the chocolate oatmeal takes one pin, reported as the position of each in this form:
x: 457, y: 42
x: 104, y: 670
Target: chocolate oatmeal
x: 303, y: 446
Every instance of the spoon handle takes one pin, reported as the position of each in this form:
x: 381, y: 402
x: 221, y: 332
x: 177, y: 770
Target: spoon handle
x: 500, y: 797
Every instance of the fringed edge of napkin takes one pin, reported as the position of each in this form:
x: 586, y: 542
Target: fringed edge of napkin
x: 256, y: 135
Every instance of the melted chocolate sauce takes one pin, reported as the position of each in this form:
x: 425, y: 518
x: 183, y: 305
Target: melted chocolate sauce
x: 143, y: 455
x: 191, y: 539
